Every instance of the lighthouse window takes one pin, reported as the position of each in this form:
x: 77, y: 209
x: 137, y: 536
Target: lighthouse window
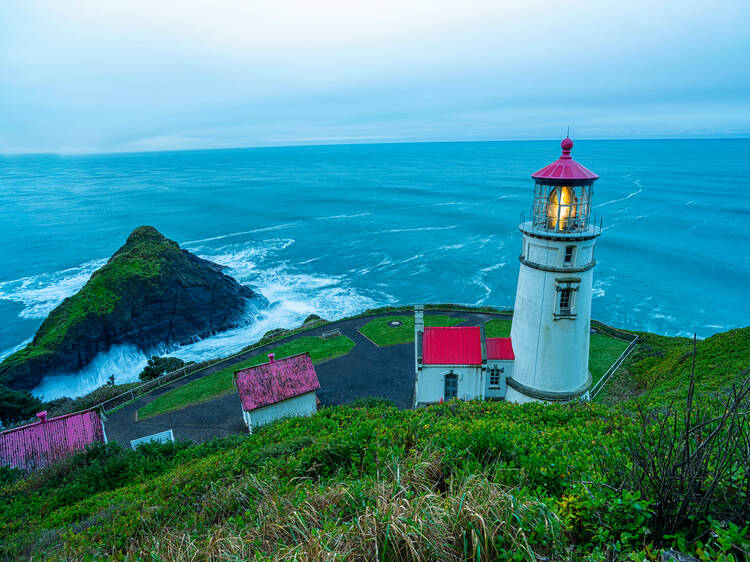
x: 569, y: 252
x: 566, y: 297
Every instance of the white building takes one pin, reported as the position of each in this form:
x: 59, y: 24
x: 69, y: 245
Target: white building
x: 548, y: 357
x: 459, y: 362
x: 277, y: 389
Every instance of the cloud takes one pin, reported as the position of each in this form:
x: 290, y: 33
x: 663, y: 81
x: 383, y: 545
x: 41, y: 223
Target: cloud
x: 85, y: 75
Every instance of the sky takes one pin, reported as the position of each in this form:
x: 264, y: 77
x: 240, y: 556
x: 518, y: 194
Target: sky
x: 112, y: 76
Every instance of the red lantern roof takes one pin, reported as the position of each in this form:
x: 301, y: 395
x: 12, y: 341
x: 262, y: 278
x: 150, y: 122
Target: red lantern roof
x: 452, y: 346
x: 565, y: 168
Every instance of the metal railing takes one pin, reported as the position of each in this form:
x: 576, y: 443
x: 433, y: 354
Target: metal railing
x: 193, y: 368
x: 611, y: 371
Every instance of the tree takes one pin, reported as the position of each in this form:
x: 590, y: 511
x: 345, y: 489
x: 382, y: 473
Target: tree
x: 17, y: 405
x: 157, y: 366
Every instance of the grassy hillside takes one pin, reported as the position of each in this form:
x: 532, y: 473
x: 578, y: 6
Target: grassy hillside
x: 659, y: 368
x: 477, y: 481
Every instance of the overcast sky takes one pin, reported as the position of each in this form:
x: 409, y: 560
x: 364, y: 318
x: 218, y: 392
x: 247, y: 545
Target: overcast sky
x: 110, y: 75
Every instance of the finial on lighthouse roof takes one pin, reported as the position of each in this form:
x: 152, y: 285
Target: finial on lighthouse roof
x: 565, y: 168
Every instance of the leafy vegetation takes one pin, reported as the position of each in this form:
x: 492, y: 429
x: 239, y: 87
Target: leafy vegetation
x: 378, y: 330
x: 457, y: 481
x: 157, y: 366
x: 222, y: 382
x: 16, y: 405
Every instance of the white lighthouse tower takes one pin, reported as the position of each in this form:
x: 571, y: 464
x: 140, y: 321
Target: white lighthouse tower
x: 551, y: 319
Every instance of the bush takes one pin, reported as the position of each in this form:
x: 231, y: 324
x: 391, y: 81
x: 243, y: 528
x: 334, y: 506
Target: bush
x: 158, y: 366
x: 693, y: 461
x: 17, y: 405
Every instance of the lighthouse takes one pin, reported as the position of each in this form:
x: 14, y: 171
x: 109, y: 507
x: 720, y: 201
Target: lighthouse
x: 552, y: 313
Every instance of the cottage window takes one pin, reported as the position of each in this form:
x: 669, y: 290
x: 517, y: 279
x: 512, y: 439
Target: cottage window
x: 451, y: 386
x: 495, y: 373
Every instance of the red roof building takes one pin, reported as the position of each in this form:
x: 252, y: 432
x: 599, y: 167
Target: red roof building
x: 35, y: 445
x: 452, y: 346
x: 459, y: 362
x: 277, y: 389
x: 500, y: 349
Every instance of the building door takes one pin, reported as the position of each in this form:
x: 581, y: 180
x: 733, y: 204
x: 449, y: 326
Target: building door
x: 451, y: 386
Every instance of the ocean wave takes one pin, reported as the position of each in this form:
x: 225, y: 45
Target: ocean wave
x: 242, y: 233
x: 417, y: 229
x: 42, y: 293
x: 125, y: 362
x: 333, y: 217
x: 628, y: 196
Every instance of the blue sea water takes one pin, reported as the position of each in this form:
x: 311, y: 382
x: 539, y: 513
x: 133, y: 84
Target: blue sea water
x: 334, y: 230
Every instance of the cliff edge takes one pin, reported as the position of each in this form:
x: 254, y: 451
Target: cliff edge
x: 150, y: 293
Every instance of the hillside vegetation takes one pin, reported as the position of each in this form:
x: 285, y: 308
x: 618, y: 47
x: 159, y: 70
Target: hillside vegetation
x: 477, y: 480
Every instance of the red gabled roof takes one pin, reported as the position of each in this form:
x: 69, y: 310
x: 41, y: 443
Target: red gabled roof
x: 275, y: 381
x: 37, y: 444
x: 565, y: 168
x: 500, y: 348
x: 459, y: 345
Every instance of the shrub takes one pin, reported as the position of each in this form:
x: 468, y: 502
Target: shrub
x: 693, y: 461
x: 158, y: 366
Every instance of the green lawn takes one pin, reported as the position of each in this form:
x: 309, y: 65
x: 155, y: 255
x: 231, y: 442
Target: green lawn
x: 222, y: 382
x: 604, y: 351
x: 382, y: 334
x: 497, y: 328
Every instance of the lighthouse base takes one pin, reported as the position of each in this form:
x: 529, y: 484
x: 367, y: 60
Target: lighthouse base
x: 520, y: 393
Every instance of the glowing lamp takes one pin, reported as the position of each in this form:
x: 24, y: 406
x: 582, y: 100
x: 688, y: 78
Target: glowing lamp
x: 563, y: 193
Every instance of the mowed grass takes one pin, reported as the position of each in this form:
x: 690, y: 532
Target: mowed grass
x: 382, y: 334
x: 222, y: 382
x: 604, y: 350
x: 497, y: 328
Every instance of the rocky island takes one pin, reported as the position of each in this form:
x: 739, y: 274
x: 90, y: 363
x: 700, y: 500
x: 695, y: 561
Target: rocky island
x: 151, y: 293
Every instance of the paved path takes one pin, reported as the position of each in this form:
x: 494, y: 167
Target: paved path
x: 366, y: 371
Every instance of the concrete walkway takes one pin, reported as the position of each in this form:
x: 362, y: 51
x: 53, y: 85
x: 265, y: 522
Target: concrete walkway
x: 366, y: 371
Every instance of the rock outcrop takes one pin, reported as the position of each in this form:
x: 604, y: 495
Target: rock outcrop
x: 151, y: 293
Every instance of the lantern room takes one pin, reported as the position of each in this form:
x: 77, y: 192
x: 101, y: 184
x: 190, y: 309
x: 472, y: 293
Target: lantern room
x: 562, y: 196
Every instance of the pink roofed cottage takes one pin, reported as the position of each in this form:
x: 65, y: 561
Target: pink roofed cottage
x: 277, y: 389
x: 35, y: 445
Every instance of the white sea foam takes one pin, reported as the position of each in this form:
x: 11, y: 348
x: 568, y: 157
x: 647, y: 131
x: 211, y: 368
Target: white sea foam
x: 12, y: 350
x: 419, y: 229
x: 333, y: 217
x: 125, y: 362
x: 41, y: 293
x: 628, y: 196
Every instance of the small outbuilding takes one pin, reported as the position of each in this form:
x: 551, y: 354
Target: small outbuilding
x: 38, y: 444
x: 277, y: 389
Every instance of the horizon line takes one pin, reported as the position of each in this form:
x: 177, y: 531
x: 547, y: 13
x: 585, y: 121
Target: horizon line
x: 354, y: 143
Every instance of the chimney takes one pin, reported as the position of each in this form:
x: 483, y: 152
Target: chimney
x: 42, y: 416
x: 418, y: 318
x: 271, y: 357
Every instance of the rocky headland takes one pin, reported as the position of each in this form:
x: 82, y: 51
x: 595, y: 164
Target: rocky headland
x: 151, y: 293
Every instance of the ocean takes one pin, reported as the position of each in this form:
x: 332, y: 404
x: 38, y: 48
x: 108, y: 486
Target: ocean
x: 334, y: 230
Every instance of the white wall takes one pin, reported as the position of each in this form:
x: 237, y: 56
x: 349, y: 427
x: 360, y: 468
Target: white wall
x: 303, y: 405
x: 551, y: 353
x: 431, y: 382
